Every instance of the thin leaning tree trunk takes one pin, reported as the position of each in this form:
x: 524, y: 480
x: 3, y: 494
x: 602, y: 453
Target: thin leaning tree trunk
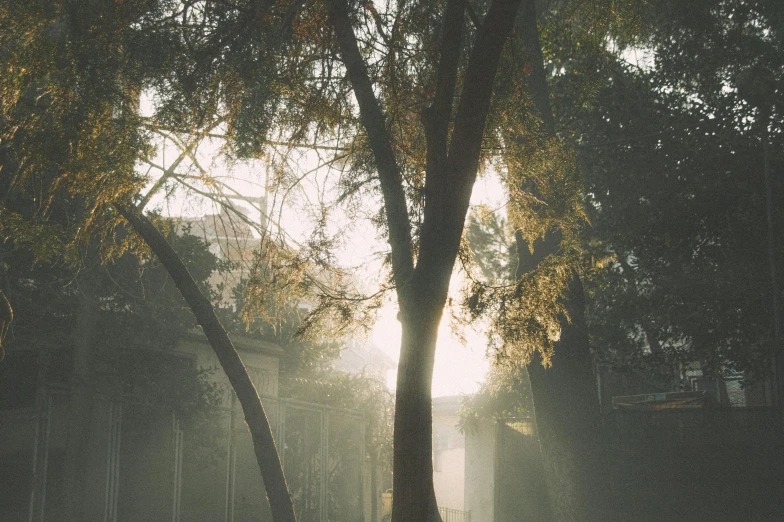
x: 263, y: 443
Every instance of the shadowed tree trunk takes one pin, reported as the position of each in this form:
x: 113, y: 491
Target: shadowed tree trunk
x: 422, y: 284
x: 565, y: 397
x: 255, y: 417
x: 81, y: 402
x: 569, y: 424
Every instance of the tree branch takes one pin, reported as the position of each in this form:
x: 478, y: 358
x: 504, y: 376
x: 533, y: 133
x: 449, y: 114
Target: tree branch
x: 288, y: 19
x: 442, y: 237
x: 474, y: 104
x: 167, y: 174
x: 537, y: 80
x: 374, y: 123
x: 472, y: 15
x: 645, y: 322
x: 436, y: 117
x: 540, y: 93
x: 379, y: 23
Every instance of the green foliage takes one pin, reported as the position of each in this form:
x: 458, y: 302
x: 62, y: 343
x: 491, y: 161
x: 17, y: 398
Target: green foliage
x: 360, y: 393
x: 490, y: 248
x: 69, y: 132
x: 72, y: 76
x: 139, y: 318
x: 673, y: 161
x: 545, y: 189
x: 539, y: 165
x: 505, y: 393
x: 43, y: 240
x: 281, y: 278
x: 280, y: 324
x: 525, y: 314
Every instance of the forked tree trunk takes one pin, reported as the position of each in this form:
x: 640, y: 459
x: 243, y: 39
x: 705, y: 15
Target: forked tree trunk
x: 452, y: 163
x: 263, y: 444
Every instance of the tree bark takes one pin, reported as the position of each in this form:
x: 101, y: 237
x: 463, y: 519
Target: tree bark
x: 568, y: 421
x: 414, y: 495
x: 566, y: 400
x: 81, y: 404
x: 278, y: 495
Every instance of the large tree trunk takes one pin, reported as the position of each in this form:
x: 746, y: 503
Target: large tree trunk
x: 566, y: 399
x: 263, y: 444
x: 414, y: 497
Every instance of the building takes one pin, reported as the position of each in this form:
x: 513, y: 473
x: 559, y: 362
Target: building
x: 119, y: 452
x: 503, y: 471
x: 231, y: 239
x: 448, y: 454
x: 365, y: 358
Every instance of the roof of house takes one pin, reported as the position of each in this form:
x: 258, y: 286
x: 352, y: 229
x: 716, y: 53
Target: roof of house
x: 241, y: 342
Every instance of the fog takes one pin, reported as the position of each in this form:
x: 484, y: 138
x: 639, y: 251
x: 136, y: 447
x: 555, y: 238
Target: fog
x: 498, y: 261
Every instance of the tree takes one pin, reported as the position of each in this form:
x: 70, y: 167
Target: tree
x: 567, y: 410
x: 422, y: 280
x: 539, y: 318
x: 680, y: 215
x: 686, y: 270
x: 258, y: 424
x: 72, y: 75
x: 73, y: 125
x: 674, y: 157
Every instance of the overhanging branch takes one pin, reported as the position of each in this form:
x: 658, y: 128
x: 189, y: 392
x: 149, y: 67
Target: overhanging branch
x: 375, y: 125
x: 441, y: 236
x: 255, y: 416
x: 436, y: 117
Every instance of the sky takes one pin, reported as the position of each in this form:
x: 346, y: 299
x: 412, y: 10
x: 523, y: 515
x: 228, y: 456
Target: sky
x: 460, y: 367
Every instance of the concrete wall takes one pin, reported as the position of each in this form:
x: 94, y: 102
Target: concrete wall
x: 450, y: 481
x: 480, y: 471
x: 448, y: 454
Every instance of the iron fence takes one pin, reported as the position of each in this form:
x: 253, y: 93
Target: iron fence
x: 146, y: 464
x: 454, y: 515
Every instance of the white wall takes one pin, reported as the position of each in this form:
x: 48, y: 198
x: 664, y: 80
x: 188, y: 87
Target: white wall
x: 480, y: 471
